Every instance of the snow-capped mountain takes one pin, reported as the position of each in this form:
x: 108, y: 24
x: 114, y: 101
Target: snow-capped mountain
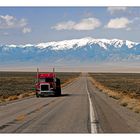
x: 75, y: 51
x: 76, y: 43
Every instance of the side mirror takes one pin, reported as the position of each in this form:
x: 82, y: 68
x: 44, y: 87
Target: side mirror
x: 33, y: 89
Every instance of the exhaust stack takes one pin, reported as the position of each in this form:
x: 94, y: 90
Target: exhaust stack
x: 54, y: 72
x: 37, y: 75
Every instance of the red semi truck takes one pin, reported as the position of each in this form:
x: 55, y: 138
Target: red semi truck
x: 47, y: 84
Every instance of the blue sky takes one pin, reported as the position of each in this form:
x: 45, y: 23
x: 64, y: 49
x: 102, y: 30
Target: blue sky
x: 20, y: 25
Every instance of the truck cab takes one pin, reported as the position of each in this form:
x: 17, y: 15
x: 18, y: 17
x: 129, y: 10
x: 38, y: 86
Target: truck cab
x: 47, y: 84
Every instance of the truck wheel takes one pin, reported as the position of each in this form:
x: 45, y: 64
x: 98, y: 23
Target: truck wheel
x: 37, y: 95
x: 58, y: 87
x: 58, y: 91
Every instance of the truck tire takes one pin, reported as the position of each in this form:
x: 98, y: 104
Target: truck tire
x: 58, y: 91
x: 58, y: 87
x: 37, y: 95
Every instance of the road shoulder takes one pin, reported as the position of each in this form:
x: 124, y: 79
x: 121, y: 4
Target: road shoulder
x: 113, y: 117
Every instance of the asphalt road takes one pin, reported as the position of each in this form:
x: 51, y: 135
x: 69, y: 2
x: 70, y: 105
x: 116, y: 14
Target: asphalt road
x: 81, y: 109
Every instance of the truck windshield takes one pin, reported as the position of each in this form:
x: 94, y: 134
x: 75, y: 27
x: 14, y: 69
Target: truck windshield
x: 46, y: 79
x: 42, y: 80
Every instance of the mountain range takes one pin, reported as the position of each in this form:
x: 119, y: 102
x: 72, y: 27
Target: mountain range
x: 85, y: 51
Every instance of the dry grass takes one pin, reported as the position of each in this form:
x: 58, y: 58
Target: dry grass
x: 18, y: 85
x: 118, y: 87
x: 10, y: 98
x: 104, y: 89
x: 20, y: 96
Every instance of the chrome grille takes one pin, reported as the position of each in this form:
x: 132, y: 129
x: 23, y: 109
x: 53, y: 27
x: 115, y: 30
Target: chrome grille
x: 44, y: 87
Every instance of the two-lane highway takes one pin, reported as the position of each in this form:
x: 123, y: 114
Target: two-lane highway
x: 80, y: 109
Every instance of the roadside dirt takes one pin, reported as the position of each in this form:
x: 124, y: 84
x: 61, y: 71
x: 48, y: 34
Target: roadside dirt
x: 124, y: 100
x: 30, y: 94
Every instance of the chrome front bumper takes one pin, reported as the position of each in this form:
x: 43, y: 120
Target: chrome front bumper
x: 46, y: 92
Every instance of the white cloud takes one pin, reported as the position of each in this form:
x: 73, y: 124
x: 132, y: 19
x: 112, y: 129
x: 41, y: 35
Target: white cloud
x: 115, y: 9
x: 9, y: 22
x: 84, y: 24
x: 64, y: 25
x: 88, y: 24
x: 26, y: 30
x: 118, y: 23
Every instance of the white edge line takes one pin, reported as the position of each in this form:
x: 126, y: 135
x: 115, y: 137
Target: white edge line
x: 92, y: 114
